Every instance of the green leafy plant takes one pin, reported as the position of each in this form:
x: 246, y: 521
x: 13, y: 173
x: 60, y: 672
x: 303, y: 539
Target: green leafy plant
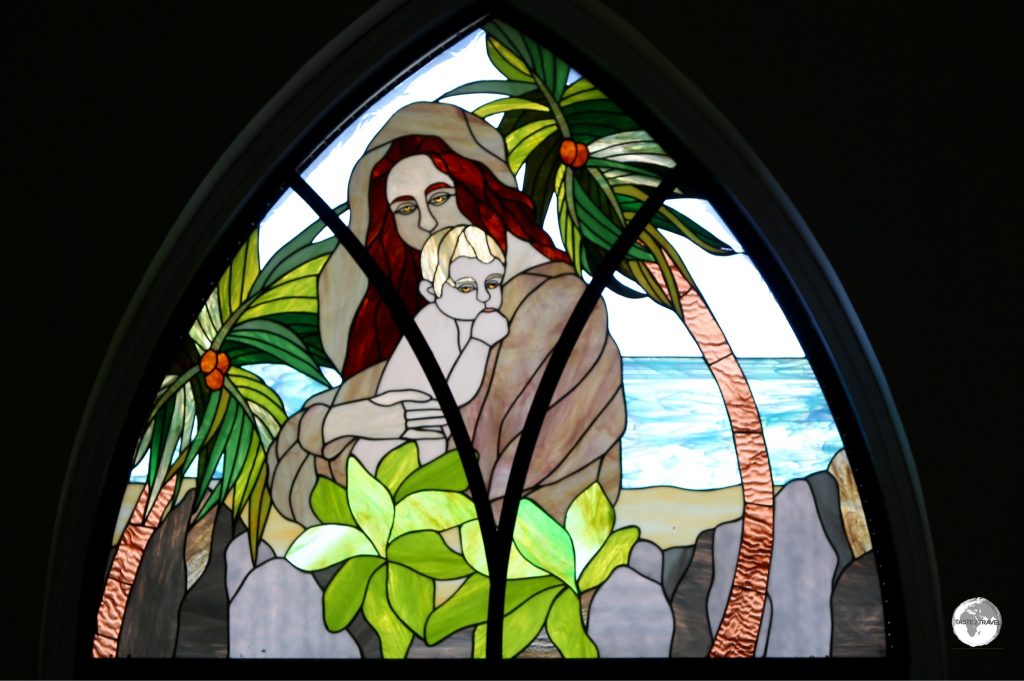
x: 385, y: 531
x: 549, y: 568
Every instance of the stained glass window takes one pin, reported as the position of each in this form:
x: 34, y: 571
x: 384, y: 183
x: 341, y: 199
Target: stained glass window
x: 492, y: 378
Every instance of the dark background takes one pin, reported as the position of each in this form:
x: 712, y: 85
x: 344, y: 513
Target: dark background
x: 893, y: 129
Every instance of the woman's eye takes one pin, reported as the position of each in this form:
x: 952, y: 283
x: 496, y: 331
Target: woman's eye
x: 405, y: 209
x: 492, y: 285
x: 438, y: 199
x: 466, y: 288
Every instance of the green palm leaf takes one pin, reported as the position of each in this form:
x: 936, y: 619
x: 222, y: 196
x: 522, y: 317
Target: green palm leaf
x: 254, y: 315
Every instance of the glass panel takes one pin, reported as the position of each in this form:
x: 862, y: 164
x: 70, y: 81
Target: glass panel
x: 687, y: 492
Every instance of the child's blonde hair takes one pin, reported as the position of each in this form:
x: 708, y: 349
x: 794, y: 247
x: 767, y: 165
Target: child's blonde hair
x: 450, y: 243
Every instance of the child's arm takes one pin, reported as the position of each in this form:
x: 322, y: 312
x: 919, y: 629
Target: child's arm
x: 467, y: 374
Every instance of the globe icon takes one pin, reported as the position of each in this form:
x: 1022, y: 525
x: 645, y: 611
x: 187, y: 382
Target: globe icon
x: 977, y: 622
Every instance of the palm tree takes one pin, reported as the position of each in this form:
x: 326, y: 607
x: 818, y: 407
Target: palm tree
x: 212, y: 412
x: 579, y: 146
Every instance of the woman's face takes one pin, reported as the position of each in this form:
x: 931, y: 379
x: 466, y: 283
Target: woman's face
x: 422, y: 199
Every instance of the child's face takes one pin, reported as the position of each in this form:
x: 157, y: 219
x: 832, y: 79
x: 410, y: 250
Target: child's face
x: 473, y: 286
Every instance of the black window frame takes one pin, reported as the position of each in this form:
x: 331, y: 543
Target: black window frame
x: 335, y: 87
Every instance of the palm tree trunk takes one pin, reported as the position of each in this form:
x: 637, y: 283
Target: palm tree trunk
x: 737, y: 634
x: 125, y: 567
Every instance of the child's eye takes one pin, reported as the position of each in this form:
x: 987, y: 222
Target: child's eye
x: 405, y: 209
x: 438, y: 199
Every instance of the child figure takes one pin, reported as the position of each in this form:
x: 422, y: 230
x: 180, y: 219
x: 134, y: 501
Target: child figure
x: 462, y: 271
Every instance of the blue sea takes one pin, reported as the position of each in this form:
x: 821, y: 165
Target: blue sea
x: 677, y: 430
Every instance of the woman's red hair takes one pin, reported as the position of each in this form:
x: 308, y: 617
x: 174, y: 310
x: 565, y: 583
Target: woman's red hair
x: 486, y: 203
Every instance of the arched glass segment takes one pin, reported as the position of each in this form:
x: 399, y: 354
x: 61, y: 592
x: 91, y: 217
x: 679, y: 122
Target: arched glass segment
x: 492, y: 378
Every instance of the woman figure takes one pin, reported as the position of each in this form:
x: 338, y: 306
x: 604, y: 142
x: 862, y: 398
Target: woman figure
x: 430, y: 167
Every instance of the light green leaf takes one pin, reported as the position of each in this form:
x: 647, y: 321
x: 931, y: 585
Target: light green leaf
x: 511, y: 66
x: 614, y: 553
x: 544, y: 542
x: 431, y: 510
x: 565, y: 627
x: 480, y: 642
x: 411, y: 596
x: 525, y: 139
x: 296, y: 287
x: 343, y: 597
x: 443, y: 473
x: 518, y: 591
x: 371, y: 505
x: 396, y: 466
x: 247, y: 481
x: 473, y: 550
x: 589, y: 521
x: 259, y: 511
x: 580, y: 91
x: 325, y: 545
x: 237, y: 281
x: 288, y: 305
x: 523, y: 624
x: 330, y: 503
x: 466, y: 607
x: 473, y: 546
x: 509, y: 104
x: 395, y: 637
x: 426, y: 552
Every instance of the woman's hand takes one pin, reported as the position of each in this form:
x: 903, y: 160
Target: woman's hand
x: 394, y: 415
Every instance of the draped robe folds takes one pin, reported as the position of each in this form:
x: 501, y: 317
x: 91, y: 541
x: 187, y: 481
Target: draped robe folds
x: 578, y: 442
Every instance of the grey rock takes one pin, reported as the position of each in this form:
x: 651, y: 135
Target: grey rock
x: 675, y: 562
x: 629, y: 617
x: 362, y: 632
x: 159, y: 588
x: 203, y: 621
x: 457, y: 646
x: 692, y: 637
x: 826, y: 498
x: 540, y: 648
x: 858, y: 621
x: 238, y: 562
x: 278, y: 613
x: 800, y: 580
x: 366, y: 636
x: 764, y: 636
x: 324, y: 577
x: 646, y: 559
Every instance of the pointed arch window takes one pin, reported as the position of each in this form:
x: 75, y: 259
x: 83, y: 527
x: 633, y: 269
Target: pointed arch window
x: 493, y: 361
